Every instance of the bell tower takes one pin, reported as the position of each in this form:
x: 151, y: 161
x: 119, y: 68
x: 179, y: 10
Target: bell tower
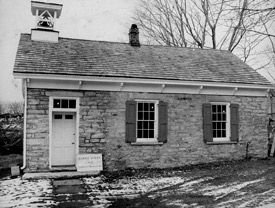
x: 46, y: 15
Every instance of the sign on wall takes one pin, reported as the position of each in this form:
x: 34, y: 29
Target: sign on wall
x: 89, y: 162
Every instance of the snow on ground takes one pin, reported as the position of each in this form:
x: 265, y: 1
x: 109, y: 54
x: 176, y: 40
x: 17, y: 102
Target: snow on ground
x: 223, y: 190
x: 24, y: 193
x: 130, y: 186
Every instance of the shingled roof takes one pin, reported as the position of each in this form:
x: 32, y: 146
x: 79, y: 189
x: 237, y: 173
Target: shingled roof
x: 110, y: 59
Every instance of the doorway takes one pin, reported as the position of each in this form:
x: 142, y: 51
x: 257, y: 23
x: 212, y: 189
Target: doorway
x: 63, y: 145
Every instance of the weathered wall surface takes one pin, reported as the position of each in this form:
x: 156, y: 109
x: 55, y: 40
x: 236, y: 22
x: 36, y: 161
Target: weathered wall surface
x: 37, y: 131
x: 102, y: 130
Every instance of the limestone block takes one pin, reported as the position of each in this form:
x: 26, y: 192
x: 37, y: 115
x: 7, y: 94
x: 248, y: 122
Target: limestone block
x: 61, y: 93
x: 97, y: 135
x: 36, y: 142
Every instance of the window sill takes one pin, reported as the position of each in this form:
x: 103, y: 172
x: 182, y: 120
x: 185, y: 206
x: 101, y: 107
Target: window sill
x: 221, y: 142
x: 146, y: 143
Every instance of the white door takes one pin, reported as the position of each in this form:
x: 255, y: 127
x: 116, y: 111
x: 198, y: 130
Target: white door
x: 63, y: 139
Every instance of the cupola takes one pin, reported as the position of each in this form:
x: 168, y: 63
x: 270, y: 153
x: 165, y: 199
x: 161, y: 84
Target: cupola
x: 45, y: 21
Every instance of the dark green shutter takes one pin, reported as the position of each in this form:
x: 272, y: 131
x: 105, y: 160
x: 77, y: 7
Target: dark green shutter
x: 130, y: 121
x: 207, y: 122
x: 234, y: 122
x: 163, y: 122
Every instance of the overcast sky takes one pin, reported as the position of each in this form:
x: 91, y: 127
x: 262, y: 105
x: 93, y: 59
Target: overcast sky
x: 107, y: 20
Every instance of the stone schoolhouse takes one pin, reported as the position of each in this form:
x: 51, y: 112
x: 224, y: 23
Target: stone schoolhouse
x: 140, y: 106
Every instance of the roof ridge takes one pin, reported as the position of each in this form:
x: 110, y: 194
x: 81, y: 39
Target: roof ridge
x: 116, y: 42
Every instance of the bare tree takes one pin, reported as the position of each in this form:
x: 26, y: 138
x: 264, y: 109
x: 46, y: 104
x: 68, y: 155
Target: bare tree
x: 2, y: 108
x: 15, y: 107
x: 233, y: 25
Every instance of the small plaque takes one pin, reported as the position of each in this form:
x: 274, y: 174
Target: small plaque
x: 89, y: 162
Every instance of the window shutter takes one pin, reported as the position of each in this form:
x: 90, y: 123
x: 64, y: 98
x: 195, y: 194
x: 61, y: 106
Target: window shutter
x: 163, y: 122
x: 130, y: 121
x: 207, y: 122
x: 234, y: 122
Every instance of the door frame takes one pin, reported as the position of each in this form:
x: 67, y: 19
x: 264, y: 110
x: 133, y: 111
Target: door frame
x: 63, y: 110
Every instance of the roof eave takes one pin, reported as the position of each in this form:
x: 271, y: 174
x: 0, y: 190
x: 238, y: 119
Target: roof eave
x: 18, y: 75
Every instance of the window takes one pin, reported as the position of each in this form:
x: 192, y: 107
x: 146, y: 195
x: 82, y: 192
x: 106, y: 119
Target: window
x: 146, y: 121
x: 69, y: 117
x: 220, y: 122
x: 57, y: 116
x: 64, y: 103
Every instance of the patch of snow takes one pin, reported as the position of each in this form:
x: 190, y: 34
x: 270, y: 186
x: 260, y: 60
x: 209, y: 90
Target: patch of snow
x: 247, y: 203
x: 191, y: 183
x: 177, y: 203
x: 268, y: 206
x: 130, y: 186
x: 221, y: 191
x: 19, y: 193
x: 267, y: 198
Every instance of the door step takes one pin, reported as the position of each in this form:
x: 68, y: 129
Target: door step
x: 57, y: 174
x: 63, y: 168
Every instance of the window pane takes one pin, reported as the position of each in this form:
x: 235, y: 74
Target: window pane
x: 140, y: 116
x: 151, y: 125
x: 152, y: 116
x: 64, y: 103
x: 214, y: 108
x: 146, y: 116
x: 219, y: 109
x: 152, y: 106
x: 146, y: 106
x: 223, y: 133
x: 139, y: 124
x: 140, y: 106
x: 219, y: 133
x: 214, y: 133
x: 214, y: 125
x: 56, y: 103
x: 151, y: 134
x: 72, y: 103
x: 146, y: 125
x: 224, y: 117
x: 224, y: 108
x: 219, y: 125
x: 223, y: 125
x: 145, y: 134
x: 57, y: 116
x: 139, y: 133
x: 214, y: 117
x: 69, y: 116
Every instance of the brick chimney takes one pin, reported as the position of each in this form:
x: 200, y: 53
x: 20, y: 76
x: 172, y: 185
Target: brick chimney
x: 134, y: 35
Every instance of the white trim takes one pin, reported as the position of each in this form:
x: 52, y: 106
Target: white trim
x: 73, y: 110
x: 143, y: 85
x: 228, y: 128
x: 199, y: 84
x: 25, y: 95
x: 149, y: 140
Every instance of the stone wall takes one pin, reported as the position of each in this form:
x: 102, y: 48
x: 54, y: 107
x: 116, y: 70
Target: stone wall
x: 37, y: 131
x: 102, y: 130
